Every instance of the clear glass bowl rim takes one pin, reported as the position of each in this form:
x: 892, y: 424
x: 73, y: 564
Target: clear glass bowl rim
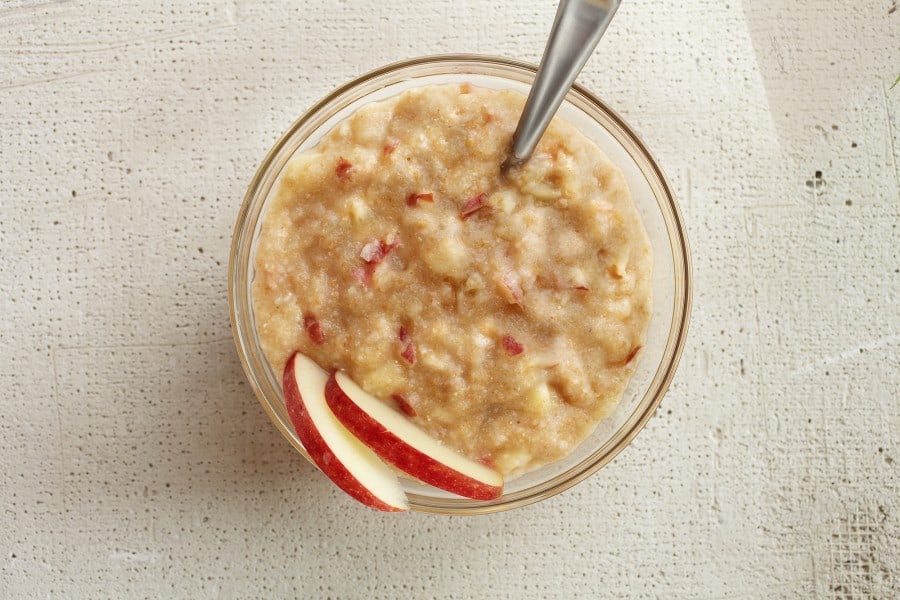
x: 249, y: 353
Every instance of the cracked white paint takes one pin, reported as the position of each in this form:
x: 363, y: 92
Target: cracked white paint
x: 136, y: 463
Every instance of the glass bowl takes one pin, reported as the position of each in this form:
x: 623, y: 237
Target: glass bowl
x: 671, y: 279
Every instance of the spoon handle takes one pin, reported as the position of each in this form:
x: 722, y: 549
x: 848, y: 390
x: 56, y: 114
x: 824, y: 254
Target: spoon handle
x: 578, y: 26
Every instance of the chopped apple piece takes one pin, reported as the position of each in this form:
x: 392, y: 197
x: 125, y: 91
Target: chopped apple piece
x: 358, y: 209
x: 577, y: 278
x: 313, y: 329
x: 542, y: 191
x: 343, y: 169
x: 407, y: 349
x: 404, y: 405
x: 512, y: 347
x: 631, y: 356
x: 447, y: 256
x: 375, y: 251
x: 414, y: 199
x: 472, y: 206
x: 538, y: 399
x: 372, y: 252
x: 510, y: 287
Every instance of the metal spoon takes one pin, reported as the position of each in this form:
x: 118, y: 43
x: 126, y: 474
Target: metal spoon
x: 578, y: 26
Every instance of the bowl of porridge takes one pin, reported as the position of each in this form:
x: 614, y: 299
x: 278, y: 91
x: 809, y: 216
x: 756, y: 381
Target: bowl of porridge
x: 530, y: 319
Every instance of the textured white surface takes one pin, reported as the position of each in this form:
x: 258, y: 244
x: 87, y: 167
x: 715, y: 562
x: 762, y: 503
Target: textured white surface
x: 136, y: 463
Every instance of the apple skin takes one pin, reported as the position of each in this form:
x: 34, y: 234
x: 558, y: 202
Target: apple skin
x: 332, y: 461
x: 393, y: 448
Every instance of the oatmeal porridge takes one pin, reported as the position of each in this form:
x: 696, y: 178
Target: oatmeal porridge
x: 502, y: 312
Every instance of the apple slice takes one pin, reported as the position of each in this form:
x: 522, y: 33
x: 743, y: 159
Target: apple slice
x: 341, y: 456
x: 401, y: 443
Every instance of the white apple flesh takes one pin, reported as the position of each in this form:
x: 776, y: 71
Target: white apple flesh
x: 400, y: 442
x: 351, y: 465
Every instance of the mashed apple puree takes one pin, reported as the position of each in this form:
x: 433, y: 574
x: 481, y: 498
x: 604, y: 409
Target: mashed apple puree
x: 501, y: 311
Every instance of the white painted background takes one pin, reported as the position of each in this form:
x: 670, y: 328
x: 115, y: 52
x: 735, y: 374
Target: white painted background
x: 136, y: 463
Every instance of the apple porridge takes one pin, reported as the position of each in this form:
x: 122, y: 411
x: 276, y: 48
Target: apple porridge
x: 502, y: 312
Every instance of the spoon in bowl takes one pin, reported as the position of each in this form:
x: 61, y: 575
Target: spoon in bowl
x: 577, y: 28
